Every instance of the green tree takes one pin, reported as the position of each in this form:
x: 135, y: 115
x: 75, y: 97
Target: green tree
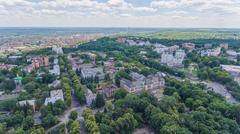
x: 73, y: 115
x: 100, y: 101
x: 28, y: 122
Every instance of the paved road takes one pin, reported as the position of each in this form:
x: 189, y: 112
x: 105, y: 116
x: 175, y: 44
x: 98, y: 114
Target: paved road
x: 213, y: 86
x: 220, y: 89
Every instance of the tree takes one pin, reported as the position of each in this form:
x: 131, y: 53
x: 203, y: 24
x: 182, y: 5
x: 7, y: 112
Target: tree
x: 75, y: 127
x: 73, y: 115
x: 119, y: 94
x: 100, y: 101
x: 49, y: 121
x: 39, y: 130
x: 28, y: 122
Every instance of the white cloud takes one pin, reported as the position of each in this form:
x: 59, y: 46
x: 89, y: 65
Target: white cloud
x: 116, y: 12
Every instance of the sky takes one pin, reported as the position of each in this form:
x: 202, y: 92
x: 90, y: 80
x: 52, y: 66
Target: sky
x: 120, y: 13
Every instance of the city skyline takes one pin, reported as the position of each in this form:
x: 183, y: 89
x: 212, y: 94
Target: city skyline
x: 120, y: 13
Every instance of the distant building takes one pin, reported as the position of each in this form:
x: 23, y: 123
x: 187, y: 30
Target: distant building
x: 208, y: 45
x: 40, y: 61
x: 57, y: 50
x: 189, y: 46
x: 211, y: 52
x: 54, y: 96
x: 224, y: 45
x: 14, y: 58
x: 163, y: 49
x: 7, y: 66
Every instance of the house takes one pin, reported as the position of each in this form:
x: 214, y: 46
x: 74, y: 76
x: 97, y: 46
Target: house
x: 31, y: 103
x: 54, y: 96
x: 89, y: 97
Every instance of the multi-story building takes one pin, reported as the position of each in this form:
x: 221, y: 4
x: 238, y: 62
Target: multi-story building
x: 211, y: 52
x: 40, y: 61
x: 92, y: 72
x: 189, y: 46
x: 89, y: 97
x: 7, y: 66
x: 140, y: 82
x: 163, y: 49
x: 54, y: 96
x: 173, y: 60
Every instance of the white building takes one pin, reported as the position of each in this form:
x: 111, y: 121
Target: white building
x: 54, y: 96
x: 173, y: 60
x: 163, y: 49
x: 57, y: 50
x: 211, y: 52
x: 89, y: 97
x: 92, y: 72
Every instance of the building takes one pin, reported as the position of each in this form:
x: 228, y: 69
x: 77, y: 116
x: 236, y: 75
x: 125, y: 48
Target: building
x: 31, y: 103
x: 7, y: 66
x: 54, y: 96
x: 173, y: 60
x: 90, y: 97
x: 211, y: 52
x: 55, y: 84
x: 139, y: 82
x: 14, y: 58
x: 208, y: 45
x: 108, y: 90
x: 55, y: 70
x: 234, y: 71
x: 40, y: 61
x: 189, y: 46
x: 163, y: 49
x: 92, y: 72
x: 224, y: 45
x: 57, y: 50
x: 109, y: 66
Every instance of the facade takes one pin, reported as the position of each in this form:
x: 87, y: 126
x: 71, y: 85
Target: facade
x: 173, y: 60
x: 57, y: 50
x: 89, y: 97
x: 7, y: 66
x: 54, y: 96
x: 140, y: 82
x: 92, y: 72
x: 40, y: 61
x: 189, y: 46
x: 163, y: 49
x: 109, y: 66
x: 31, y: 103
x: 211, y: 52
x: 224, y: 45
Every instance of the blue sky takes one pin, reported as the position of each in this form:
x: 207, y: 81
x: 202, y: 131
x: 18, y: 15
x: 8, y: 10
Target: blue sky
x: 120, y: 13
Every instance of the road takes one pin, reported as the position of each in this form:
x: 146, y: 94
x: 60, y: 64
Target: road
x: 212, y: 86
x: 220, y: 89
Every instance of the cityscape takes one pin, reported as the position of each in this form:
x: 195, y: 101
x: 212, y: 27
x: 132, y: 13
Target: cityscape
x: 119, y: 67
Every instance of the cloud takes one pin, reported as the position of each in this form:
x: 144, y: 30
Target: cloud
x: 41, y: 11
